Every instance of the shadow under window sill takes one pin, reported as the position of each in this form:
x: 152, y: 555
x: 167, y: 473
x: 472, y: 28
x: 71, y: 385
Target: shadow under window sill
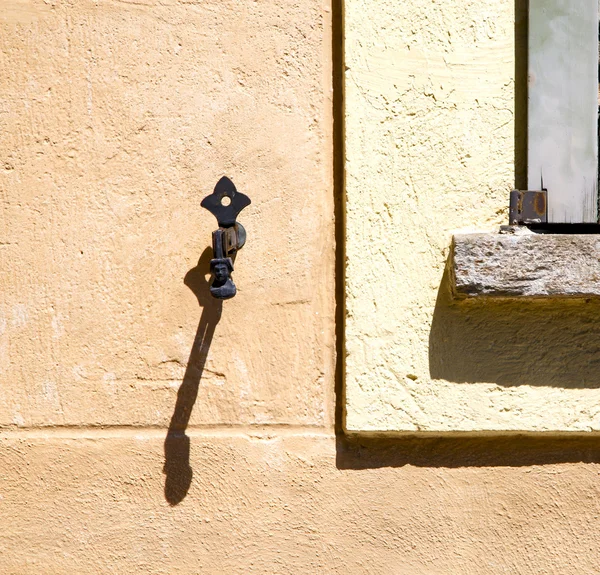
x: 519, y: 310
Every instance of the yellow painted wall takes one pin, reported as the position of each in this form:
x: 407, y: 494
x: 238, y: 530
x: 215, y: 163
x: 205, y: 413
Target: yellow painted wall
x: 435, y: 117
x: 116, y: 118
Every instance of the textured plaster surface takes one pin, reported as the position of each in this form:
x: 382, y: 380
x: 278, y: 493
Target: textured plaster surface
x: 430, y: 145
x: 525, y: 264
x: 115, y: 119
x: 90, y: 503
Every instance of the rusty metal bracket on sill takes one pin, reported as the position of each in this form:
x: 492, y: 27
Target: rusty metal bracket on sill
x: 528, y: 207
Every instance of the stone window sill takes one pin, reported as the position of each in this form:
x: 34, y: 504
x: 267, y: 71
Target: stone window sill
x: 523, y: 264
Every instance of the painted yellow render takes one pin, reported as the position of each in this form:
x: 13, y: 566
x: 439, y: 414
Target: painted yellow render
x: 430, y: 147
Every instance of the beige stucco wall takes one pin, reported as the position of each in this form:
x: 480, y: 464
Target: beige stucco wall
x: 116, y: 118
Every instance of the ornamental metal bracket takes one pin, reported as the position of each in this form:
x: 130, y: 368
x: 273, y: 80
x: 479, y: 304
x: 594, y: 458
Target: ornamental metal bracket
x: 225, y: 203
x: 528, y: 207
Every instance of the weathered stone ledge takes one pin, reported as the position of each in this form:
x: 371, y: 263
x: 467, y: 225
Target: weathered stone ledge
x: 515, y: 265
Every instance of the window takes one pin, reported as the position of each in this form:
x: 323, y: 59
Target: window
x: 563, y: 107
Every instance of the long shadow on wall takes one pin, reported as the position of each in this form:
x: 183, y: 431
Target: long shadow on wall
x: 177, y: 469
x: 456, y: 452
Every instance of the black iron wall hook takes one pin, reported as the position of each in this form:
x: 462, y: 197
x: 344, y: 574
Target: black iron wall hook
x: 225, y: 203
